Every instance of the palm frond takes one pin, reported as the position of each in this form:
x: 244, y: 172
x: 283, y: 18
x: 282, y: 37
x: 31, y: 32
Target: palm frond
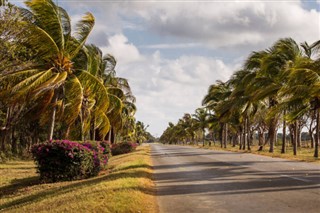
x: 33, y: 81
x: 15, y: 77
x: 38, y: 39
x: 41, y: 104
x: 55, y: 82
x: 48, y: 18
x: 104, y: 125
x: 115, y: 106
x: 94, y: 60
x: 73, y: 99
x: 65, y: 23
x: 109, y: 63
x: 84, y: 28
x: 97, y: 88
x: 268, y: 91
x: 117, y: 92
x: 255, y: 60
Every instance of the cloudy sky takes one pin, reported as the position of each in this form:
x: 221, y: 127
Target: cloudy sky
x: 172, y: 50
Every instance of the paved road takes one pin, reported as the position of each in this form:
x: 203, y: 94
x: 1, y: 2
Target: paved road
x: 197, y: 180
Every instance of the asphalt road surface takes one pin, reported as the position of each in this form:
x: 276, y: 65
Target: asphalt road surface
x: 197, y: 180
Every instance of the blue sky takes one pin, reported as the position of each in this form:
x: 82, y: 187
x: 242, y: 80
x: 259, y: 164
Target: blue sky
x: 171, y: 51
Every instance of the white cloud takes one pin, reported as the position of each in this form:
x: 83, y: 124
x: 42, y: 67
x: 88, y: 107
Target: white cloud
x: 167, y: 88
x: 170, y: 46
x: 122, y: 50
x: 229, y: 23
x: 209, y: 24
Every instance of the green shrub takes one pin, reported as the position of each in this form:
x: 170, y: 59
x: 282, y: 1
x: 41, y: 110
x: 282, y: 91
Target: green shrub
x: 123, y: 148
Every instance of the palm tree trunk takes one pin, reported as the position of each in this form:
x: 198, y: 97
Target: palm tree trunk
x: 13, y: 142
x: 295, y: 142
x: 241, y: 139
x: 316, y: 144
x: 67, y: 132
x: 221, y: 134
x: 93, y: 128
x: 234, y: 139
x: 284, y: 127
x: 260, y: 136
x: 114, y: 137
x: 225, y: 135
x: 245, y: 139
x: 299, y: 135
x: 203, y: 136
x: 53, y: 117
x: 311, y: 139
x: 109, y: 134
x: 213, y: 139
x: 272, y: 134
x: 2, y: 138
x: 248, y: 135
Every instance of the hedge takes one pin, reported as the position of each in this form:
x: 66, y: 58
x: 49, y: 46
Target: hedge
x: 67, y: 160
x: 123, y: 148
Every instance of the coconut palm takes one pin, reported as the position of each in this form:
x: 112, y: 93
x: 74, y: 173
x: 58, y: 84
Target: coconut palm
x: 201, y: 120
x: 55, y: 72
x: 303, y: 87
x: 217, y: 95
x: 240, y: 105
x: 270, y: 65
x: 121, y: 113
x: 141, y: 132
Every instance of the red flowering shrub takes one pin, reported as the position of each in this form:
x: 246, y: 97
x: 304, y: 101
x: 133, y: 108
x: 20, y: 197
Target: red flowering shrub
x: 122, y: 148
x: 67, y: 160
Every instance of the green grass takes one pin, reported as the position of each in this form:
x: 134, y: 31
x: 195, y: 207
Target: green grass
x: 126, y: 187
x: 303, y: 154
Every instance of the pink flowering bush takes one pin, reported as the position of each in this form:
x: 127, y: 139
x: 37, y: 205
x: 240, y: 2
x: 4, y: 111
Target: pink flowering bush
x: 122, y: 148
x: 101, y: 153
x: 67, y: 160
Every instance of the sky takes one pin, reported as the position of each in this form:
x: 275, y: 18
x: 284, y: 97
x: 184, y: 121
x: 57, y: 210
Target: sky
x: 171, y: 51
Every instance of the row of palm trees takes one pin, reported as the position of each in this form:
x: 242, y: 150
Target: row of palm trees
x: 191, y: 128
x: 53, y: 85
x: 276, y: 87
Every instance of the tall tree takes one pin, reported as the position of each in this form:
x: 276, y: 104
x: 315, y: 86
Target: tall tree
x: 54, y: 73
x: 201, y: 119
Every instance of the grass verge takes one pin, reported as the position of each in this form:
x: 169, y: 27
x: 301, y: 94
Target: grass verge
x: 303, y: 154
x: 127, y: 187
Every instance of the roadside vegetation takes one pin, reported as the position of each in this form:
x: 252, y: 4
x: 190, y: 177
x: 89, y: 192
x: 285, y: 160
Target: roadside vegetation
x: 303, y: 154
x: 55, y: 86
x: 125, y: 187
x: 276, y: 90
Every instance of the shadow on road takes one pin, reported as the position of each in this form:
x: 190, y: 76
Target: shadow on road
x: 230, y: 177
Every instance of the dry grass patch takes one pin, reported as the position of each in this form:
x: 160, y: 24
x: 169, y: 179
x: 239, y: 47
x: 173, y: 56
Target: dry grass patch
x: 128, y: 187
x: 303, y: 154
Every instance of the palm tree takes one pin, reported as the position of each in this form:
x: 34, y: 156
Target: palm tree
x: 303, y: 87
x: 55, y: 73
x: 141, y: 132
x: 270, y: 65
x: 241, y: 105
x: 217, y: 95
x: 191, y: 127
x: 201, y: 119
x: 121, y: 113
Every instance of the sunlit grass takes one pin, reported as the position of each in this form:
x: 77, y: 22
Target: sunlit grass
x: 303, y: 154
x: 127, y: 187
